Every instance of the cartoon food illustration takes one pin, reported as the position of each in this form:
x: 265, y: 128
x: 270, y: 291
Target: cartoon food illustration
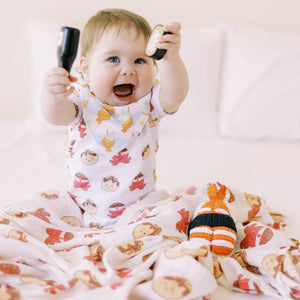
x: 6, y: 268
x: 108, y: 141
x: 97, y: 251
x: 85, y: 95
x: 41, y: 213
x: 50, y: 195
x: 130, y: 247
x: 273, y: 264
x: 255, y: 203
x: 121, y: 157
x: 103, y: 115
x: 90, y: 206
x: 71, y: 146
x: 71, y: 220
x: 147, y: 107
x: 154, y: 176
x: 17, y: 235
x: 127, y: 119
x: 37, y: 281
x: 172, y: 287
x: 197, y: 252
x: 4, y: 221
x: 95, y: 225
x: 152, y: 122
x: 88, y: 278
x: 245, y: 284
x: 81, y: 182
x: 218, y: 272
x: 146, y: 229
x: 138, y: 182
x: 146, y: 152
x: 182, y: 225
x: 241, y: 258
x: 89, y: 157
x: 82, y: 129
x: 213, y: 222
x: 295, y: 292
x: 109, y: 108
x: 256, y: 235
x: 110, y: 183
x: 17, y: 214
x: 57, y: 236
x: 278, y: 220
x: 143, y: 214
x: 8, y: 292
x: 115, y: 210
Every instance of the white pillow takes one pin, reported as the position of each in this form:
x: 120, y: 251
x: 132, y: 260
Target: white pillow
x: 260, y: 90
x: 201, y: 51
x: 43, y: 38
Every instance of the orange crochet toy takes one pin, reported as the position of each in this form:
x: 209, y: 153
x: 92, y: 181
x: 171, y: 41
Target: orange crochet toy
x: 213, y: 222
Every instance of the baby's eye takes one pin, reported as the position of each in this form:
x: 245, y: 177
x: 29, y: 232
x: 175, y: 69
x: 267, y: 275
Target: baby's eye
x: 114, y: 59
x: 139, y: 61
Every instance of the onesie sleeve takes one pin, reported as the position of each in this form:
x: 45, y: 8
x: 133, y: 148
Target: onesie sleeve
x: 158, y: 110
x: 75, y: 97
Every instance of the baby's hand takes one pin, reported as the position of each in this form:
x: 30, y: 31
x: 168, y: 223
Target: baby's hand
x: 171, y: 42
x: 58, y: 84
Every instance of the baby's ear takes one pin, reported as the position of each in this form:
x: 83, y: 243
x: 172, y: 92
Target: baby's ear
x: 84, y: 66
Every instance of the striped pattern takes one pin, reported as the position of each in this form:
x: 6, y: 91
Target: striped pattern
x: 213, y: 223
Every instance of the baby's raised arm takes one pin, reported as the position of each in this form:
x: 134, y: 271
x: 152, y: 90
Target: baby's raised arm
x: 173, y: 75
x: 55, y: 105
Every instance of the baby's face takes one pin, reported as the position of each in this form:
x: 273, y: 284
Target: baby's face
x: 117, y: 68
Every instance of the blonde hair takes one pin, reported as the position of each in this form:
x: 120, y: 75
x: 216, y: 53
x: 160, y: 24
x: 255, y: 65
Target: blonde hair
x: 111, y: 18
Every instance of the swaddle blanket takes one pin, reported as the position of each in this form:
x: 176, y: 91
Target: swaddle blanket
x: 46, y: 254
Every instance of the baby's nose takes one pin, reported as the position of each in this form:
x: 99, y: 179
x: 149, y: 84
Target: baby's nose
x: 128, y: 70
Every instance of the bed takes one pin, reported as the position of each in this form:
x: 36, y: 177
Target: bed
x: 239, y: 126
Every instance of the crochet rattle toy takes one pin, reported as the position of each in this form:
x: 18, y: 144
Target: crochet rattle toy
x: 213, y: 223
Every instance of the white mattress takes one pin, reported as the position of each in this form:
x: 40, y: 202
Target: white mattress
x: 33, y: 160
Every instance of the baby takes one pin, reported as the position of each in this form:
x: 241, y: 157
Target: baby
x: 113, y: 112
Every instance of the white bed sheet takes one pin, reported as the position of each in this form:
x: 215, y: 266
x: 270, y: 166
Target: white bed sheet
x: 33, y: 160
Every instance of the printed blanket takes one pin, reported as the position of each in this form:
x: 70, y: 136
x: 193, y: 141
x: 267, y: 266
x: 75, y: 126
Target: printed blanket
x: 45, y: 253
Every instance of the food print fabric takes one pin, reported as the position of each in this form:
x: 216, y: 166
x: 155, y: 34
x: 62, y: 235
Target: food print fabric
x: 112, y: 153
x: 45, y: 253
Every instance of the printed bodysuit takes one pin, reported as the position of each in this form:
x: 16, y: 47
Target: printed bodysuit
x: 111, y: 154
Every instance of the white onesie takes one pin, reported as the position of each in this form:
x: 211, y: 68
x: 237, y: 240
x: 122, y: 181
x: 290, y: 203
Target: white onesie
x: 111, y: 154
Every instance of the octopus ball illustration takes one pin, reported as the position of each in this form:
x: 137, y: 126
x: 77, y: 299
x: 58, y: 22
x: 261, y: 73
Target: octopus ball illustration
x: 110, y: 183
x: 90, y: 206
x: 89, y: 157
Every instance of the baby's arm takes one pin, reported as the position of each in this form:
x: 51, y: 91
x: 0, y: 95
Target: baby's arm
x: 55, y: 105
x: 174, y: 81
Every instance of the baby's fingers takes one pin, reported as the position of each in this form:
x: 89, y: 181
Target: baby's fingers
x: 61, y: 90
x: 58, y: 80
x: 169, y: 38
x: 173, y: 28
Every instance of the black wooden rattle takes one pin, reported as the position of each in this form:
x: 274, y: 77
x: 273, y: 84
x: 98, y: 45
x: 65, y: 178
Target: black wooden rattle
x: 151, y: 49
x: 67, y: 47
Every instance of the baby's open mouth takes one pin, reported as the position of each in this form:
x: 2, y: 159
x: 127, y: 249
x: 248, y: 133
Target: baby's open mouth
x: 124, y: 91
